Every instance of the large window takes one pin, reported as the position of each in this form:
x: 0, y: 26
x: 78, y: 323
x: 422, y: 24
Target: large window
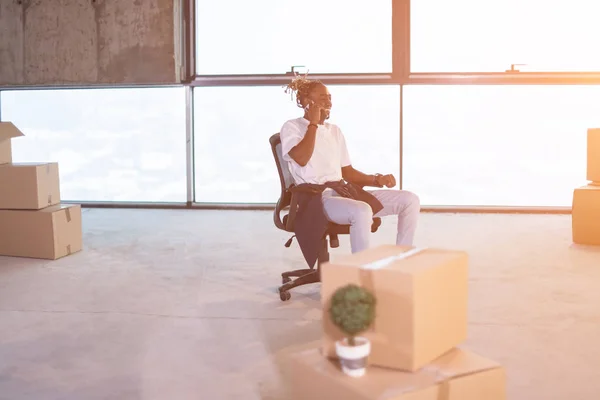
x: 490, y: 35
x: 234, y: 163
x: 269, y: 36
x: 497, y: 145
x: 111, y: 144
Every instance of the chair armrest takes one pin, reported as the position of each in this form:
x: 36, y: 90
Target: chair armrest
x: 277, y: 216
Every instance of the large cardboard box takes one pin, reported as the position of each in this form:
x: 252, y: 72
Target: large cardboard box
x: 29, y: 186
x: 49, y: 233
x: 8, y: 131
x: 421, y: 295
x: 593, y: 155
x: 458, y: 375
x: 585, y: 215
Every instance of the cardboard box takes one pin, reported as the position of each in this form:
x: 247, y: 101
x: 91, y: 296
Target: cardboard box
x: 29, y: 186
x: 421, y: 310
x: 585, y: 215
x: 458, y: 375
x: 593, y: 155
x: 49, y: 233
x: 8, y: 131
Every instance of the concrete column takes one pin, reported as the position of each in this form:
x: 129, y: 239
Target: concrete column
x: 146, y: 53
x: 79, y: 42
x: 61, y: 42
x: 11, y: 43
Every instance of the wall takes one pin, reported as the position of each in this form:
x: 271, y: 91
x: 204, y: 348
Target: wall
x: 67, y: 42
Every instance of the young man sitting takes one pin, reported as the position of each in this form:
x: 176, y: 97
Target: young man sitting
x: 317, y: 157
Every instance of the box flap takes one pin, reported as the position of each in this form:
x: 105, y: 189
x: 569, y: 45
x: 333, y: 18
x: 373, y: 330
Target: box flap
x: 589, y: 186
x: 384, y: 383
x: 405, y: 259
x: 370, y: 255
x: 28, y: 164
x: 58, y: 207
x: 458, y: 362
x: 8, y: 131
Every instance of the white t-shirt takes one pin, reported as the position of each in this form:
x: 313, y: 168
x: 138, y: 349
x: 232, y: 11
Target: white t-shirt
x: 329, y: 156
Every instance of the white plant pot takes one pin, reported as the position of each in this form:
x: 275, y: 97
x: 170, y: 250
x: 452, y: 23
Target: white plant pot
x: 353, y: 358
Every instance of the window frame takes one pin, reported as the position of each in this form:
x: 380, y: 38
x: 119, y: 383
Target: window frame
x: 126, y: 203
x: 400, y: 62
x: 401, y: 72
x: 507, y: 77
x: 401, y: 75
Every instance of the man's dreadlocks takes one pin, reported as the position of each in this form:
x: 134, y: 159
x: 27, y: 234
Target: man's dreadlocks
x: 302, y: 87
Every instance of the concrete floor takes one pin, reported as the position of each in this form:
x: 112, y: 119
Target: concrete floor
x: 182, y: 305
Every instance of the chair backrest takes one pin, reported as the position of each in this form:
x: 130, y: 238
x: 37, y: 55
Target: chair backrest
x: 285, y: 179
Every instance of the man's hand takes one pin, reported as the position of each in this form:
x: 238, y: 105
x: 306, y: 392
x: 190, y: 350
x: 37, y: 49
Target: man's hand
x: 386, y: 180
x: 314, y: 112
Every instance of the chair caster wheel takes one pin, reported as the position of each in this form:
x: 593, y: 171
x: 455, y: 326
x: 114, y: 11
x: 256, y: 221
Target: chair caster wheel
x: 285, y: 296
x: 285, y: 280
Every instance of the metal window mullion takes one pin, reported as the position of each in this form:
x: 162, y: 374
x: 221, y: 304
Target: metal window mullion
x: 271, y: 206
x: 189, y: 144
x: 521, y: 78
x: 268, y: 80
x: 401, y: 140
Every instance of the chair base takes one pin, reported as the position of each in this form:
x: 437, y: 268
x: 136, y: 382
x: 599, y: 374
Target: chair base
x: 311, y: 275
x: 303, y: 276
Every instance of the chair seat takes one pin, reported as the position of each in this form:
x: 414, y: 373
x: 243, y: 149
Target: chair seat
x: 337, y: 229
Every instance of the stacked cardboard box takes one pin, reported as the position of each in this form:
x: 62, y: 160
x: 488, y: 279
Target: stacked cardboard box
x: 586, y: 199
x: 420, y: 321
x: 33, y: 222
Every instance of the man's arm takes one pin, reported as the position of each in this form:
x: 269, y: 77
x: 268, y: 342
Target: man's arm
x: 358, y: 178
x: 303, y: 151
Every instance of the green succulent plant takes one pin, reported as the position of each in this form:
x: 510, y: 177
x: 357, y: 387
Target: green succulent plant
x: 352, y: 310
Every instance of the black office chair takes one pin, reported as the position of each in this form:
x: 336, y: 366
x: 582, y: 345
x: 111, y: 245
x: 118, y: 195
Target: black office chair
x: 287, y: 200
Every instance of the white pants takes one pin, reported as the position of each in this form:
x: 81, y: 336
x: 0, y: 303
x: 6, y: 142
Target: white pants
x: 359, y: 216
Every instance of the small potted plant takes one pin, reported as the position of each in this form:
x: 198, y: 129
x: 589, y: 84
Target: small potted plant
x: 353, y: 311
